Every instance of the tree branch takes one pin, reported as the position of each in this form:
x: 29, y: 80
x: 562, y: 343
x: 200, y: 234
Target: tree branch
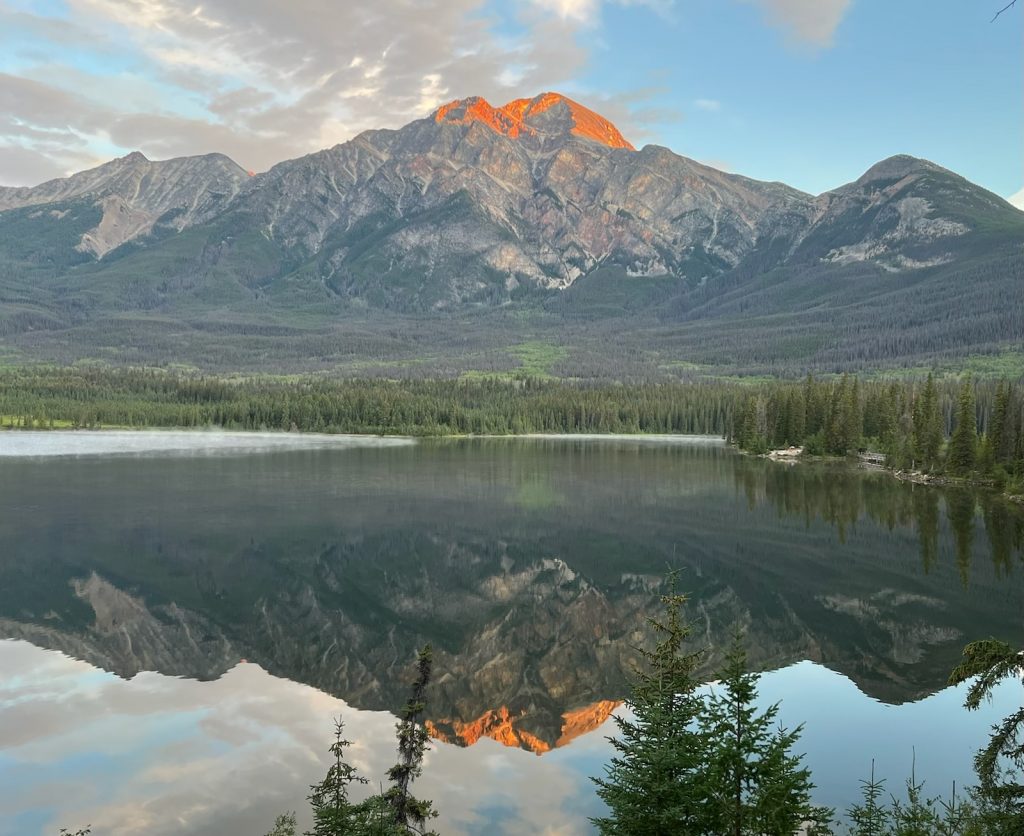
x: 1009, y: 5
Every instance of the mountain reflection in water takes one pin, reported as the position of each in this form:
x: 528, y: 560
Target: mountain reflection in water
x: 530, y: 565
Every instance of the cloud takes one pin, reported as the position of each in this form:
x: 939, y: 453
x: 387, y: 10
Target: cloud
x: 581, y: 10
x: 811, y: 21
x: 707, y: 104
x: 588, y: 11
x: 261, y: 80
x: 1017, y: 199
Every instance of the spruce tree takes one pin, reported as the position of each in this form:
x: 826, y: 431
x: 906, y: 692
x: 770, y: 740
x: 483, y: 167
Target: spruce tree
x: 756, y: 783
x: 963, y: 445
x: 333, y: 813
x: 928, y: 429
x: 999, y: 432
x: 1000, y: 764
x: 654, y: 782
x: 410, y: 814
x: 871, y: 816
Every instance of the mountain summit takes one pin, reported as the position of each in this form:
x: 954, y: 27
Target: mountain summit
x: 546, y: 114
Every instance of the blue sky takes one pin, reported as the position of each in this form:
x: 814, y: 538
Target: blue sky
x: 811, y: 92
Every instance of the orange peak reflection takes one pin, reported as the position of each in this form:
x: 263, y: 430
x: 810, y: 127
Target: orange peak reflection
x: 503, y: 726
x: 513, y: 119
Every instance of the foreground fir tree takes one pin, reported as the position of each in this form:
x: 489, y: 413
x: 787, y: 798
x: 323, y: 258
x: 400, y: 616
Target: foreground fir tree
x: 756, y: 783
x: 653, y: 785
x: 871, y: 816
x: 411, y: 814
x: 394, y: 812
x: 333, y: 814
x: 1000, y: 765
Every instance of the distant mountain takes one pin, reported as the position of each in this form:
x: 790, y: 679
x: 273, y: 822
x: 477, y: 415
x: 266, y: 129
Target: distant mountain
x: 136, y: 195
x: 475, y: 207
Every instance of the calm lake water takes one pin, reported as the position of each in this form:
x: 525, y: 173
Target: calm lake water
x: 181, y: 615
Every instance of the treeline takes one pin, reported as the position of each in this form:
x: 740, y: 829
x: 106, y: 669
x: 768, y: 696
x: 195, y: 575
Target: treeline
x: 960, y: 428
x: 41, y: 398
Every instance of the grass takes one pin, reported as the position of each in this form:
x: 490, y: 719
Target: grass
x: 537, y: 357
x: 13, y: 422
x: 1008, y: 363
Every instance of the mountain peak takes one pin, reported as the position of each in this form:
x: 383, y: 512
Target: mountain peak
x: 548, y: 113
x: 897, y: 166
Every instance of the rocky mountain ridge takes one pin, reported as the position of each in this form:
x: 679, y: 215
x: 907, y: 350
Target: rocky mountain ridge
x: 475, y: 201
x: 135, y: 194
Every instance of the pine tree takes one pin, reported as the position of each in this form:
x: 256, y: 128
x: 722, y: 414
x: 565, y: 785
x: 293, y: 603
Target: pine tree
x: 653, y: 784
x: 928, y: 432
x: 1000, y: 765
x: 917, y: 816
x: 870, y: 817
x: 999, y: 435
x: 410, y: 814
x: 835, y: 426
x: 757, y: 785
x: 333, y: 814
x: 963, y: 445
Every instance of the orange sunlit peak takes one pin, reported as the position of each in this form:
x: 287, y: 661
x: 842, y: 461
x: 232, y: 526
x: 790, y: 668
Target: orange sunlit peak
x: 514, y: 118
x: 503, y: 726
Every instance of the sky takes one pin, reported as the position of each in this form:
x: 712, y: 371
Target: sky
x: 809, y: 92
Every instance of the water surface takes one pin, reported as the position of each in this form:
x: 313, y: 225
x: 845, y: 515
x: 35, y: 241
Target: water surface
x: 206, y: 615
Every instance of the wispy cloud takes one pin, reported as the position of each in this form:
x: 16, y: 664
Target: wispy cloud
x: 707, y: 104
x: 811, y: 21
x: 1017, y: 199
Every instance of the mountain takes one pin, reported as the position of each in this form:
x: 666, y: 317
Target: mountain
x: 539, y: 205
x: 135, y: 196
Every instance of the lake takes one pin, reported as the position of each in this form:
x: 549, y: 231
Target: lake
x: 183, y: 614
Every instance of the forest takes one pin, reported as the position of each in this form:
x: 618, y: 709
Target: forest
x: 951, y: 426
x: 958, y: 428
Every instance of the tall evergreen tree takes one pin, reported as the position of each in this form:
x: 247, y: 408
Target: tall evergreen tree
x: 1000, y: 428
x: 1000, y: 764
x: 963, y: 445
x: 653, y: 784
x: 928, y: 432
x: 410, y: 813
x: 756, y: 784
x: 333, y: 813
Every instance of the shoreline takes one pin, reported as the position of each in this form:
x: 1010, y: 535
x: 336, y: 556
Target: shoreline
x: 875, y: 462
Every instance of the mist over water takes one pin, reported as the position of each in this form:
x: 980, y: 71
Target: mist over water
x: 26, y: 444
